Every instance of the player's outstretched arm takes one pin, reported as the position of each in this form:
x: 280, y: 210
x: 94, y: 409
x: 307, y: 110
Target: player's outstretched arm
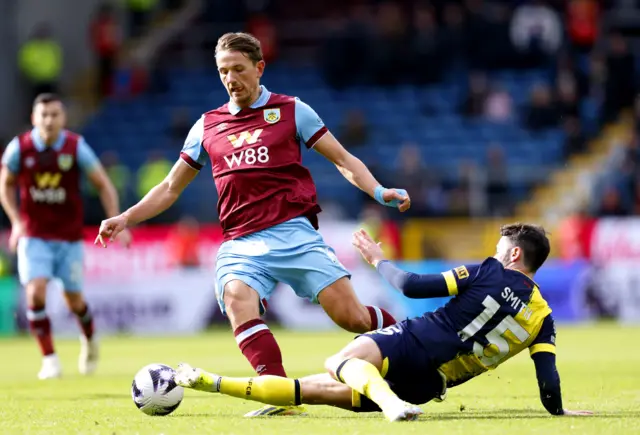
x: 359, y: 175
x: 160, y: 198
x: 412, y: 285
x: 549, y: 384
x: 543, y: 354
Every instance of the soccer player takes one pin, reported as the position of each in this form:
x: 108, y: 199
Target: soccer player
x: 45, y: 165
x: 496, y: 312
x: 267, y: 205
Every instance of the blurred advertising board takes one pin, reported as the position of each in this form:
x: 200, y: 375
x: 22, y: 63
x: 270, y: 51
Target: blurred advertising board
x: 615, y: 240
x: 615, y: 257
x: 142, y: 291
x: 8, y: 305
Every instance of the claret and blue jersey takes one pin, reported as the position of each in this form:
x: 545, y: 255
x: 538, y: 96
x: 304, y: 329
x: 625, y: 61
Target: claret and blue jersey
x: 307, y: 124
x: 87, y: 159
x: 48, y: 179
x: 267, y: 199
x: 256, y: 161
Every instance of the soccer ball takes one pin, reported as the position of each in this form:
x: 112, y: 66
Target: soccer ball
x: 154, y: 390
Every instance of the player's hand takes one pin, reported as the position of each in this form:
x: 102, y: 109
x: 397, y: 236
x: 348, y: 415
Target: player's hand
x: 577, y: 413
x: 370, y: 250
x: 125, y: 238
x: 17, y: 231
x: 401, y: 197
x: 109, y: 230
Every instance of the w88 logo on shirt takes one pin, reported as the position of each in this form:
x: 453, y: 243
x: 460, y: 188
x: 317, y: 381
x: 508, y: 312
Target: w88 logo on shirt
x: 248, y: 156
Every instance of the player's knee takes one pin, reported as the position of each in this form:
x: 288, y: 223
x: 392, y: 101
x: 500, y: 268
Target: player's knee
x: 332, y: 363
x: 36, y: 291
x: 75, y: 302
x: 240, y: 299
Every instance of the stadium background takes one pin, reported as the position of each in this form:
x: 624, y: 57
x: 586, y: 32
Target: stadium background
x: 485, y: 111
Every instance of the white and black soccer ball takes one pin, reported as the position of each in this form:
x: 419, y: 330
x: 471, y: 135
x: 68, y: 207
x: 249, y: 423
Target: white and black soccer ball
x: 154, y: 390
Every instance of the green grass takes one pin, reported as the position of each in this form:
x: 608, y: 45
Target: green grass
x: 599, y: 366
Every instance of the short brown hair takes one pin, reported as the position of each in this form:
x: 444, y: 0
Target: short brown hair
x: 245, y: 43
x: 46, y: 98
x: 533, y: 241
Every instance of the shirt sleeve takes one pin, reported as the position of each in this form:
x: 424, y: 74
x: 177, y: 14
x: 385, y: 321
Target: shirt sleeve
x: 309, y: 125
x: 460, y: 278
x: 11, y: 156
x: 87, y: 159
x: 545, y: 341
x: 548, y: 382
x: 193, y: 153
x: 543, y: 354
x: 413, y: 285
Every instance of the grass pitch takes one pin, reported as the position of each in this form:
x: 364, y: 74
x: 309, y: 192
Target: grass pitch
x: 599, y: 367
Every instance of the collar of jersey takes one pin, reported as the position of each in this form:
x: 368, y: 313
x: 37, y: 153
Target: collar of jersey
x: 41, y: 146
x: 528, y: 277
x: 261, y: 101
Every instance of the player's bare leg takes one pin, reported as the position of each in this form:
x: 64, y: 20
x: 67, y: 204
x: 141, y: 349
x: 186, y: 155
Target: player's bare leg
x: 89, y: 348
x: 340, y: 302
x: 40, y: 326
x: 257, y: 343
x: 360, y: 366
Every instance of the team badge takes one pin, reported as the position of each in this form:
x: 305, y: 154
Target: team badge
x: 29, y: 162
x: 462, y: 272
x: 65, y: 161
x: 272, y: 115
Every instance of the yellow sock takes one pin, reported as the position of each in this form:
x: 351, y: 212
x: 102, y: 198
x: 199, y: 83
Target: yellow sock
x: 364, y: 378
x: 272, y: 390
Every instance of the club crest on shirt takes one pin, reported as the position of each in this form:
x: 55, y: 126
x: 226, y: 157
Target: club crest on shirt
x: 272, y: 115
x: 29, y: 162
x: 65, y: 161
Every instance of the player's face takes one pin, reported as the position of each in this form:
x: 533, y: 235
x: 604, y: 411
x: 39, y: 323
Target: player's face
x: 506, y: 253
x: 240, y: 76
x: 49, y: 119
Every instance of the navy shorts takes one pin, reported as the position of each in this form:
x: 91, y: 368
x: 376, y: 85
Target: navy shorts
x: 406, y: 367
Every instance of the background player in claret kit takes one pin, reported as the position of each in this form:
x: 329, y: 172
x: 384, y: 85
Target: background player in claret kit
x: 46, y: 164
x: 497, y: 312
x: 267, y: 206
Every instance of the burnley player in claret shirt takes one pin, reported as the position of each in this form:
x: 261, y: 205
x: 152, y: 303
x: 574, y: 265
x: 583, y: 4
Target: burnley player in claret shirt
x: 45, y: 166
x: 267, y: 206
